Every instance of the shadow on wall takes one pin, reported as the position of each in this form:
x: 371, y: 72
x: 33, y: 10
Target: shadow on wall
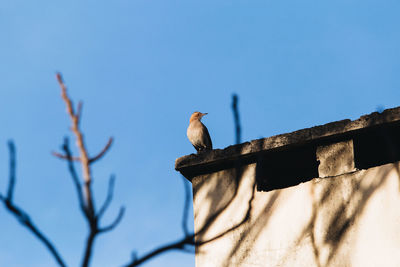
x: 232, y: 211
x: 220, y: 192
x: 327, y: 234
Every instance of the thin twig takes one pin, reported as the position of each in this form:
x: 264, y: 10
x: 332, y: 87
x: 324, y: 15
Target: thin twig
x: 26, y: 221
x: 235, y: 109
x: 110, y: 193
x: 20, y: 214
x: 11, y: 185
x: 61, y: 156
x: 75, y: 178
x: 180, y: 244
x: 102, y: 152
x: 187, y: 240
x: 115, y: 222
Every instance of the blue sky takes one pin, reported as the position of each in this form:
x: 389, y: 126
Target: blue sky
x: 141, y: 68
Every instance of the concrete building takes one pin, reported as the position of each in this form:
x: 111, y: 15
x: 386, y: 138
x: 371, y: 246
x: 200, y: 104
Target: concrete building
x: 323, y: 196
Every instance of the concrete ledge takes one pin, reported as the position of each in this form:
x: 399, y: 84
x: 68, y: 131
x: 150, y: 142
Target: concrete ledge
x: 193, y: 164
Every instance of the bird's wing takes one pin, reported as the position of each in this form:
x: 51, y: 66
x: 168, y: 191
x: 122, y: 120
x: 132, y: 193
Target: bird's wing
x: 208, y: 141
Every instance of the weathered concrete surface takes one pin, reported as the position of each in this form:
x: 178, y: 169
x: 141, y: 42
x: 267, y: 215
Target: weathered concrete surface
x: 336, y: 158
x: 190, y: 165
x: 347, y: 220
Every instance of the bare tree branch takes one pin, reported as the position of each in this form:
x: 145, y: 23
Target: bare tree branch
x: 20, y: 214
x: 109, y: 197
x: 88, y: 248
x: 235, y: 109
x: 115, y: 222
x: 61, y: 156
x: 74, y: 176
x: 102, y: 152
x: 25, y: 220
x: 11, y: 184
x: 87, y: 176
x: 86, y: 200
x: 180, y: 245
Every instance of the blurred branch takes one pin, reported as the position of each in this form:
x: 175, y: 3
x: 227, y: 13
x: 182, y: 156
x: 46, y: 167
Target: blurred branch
x: 85, y: 196
x: 74, y: 176
x: 115, y: 223
x: 102, y: 152
x: 235, y: 109
x: 11, y: 184
x: 189, y: 239
x: 109, y: 197
x: 180, y: 244
x: 84, y: 158
x: 61, y: 156
x: 20, y: 214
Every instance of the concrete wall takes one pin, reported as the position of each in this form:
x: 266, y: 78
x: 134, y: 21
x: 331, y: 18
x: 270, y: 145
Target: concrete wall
x: 349, y: 219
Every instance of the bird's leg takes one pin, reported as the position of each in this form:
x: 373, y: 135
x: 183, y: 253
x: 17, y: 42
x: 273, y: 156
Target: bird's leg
x: 201, y: 149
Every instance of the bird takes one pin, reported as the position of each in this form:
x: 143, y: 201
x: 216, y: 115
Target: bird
x: 197, y: 133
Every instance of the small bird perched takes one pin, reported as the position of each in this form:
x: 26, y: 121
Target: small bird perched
x: 198, y: 134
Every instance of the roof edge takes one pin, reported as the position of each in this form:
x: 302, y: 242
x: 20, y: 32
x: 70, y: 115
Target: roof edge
x: 243, y: 150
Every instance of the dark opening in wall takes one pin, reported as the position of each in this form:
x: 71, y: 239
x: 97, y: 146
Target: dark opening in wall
x: 282, y: 169
x: 378, y: 146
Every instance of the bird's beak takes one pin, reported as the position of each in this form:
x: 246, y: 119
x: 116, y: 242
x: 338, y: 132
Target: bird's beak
x: 203, y: 114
